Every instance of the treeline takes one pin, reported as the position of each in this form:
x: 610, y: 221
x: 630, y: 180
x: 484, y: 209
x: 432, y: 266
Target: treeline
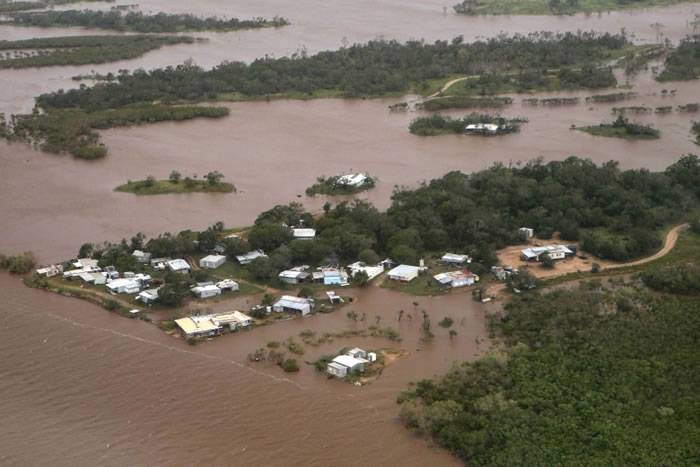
x: 80, y: 50
x: 464, y: 102
x: 73, y: 130
x: 590, y: 377
x: 551, y: 7
x: 8, y: 6
x: 18, y: 264
x: 683, y: 63
x: 684, y: 279
x: 372, y: 69
x: 437, y: 124
x: 138, y: 22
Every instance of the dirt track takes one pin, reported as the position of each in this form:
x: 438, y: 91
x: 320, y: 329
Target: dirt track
x: 669, y: 243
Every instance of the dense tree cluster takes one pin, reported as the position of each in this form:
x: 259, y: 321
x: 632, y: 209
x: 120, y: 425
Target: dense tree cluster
x: 80, y: 50
x: 683, y: 63
x: 553, y: 7
x: 18, y: 264
x: 10, y: 6
x: 464, y: 102
x: 437, y: 124
x: 683, y: 279
x: 592, y: 378
x: 372, y: 69
x: 623, y: 128
x: 138, y: 22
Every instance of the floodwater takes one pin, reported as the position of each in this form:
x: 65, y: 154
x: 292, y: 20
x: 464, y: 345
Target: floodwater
x: 81, y: 386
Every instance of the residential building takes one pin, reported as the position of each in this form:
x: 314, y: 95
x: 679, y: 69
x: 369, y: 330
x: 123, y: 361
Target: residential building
x: 198, y: 326
x: 228, y: 285
x: 141, y: 256
x: 456, y: 279
x: 526, y: 232
x: 303, y: 234
x: 556, y: 252
x: 212, y: 261
x: 291, y: 304
x: 206, y: 291
x: 232, y: 320
x: 50, y: 271
x: 357, y: 353
x: 86, y: 263
x: 250, y: 256
x: 125, y: 286
x: 371, y: 271
x: 452, y: 258
x: 343, y: 365
x: 148, y: 296
x: 293, y: 276
x: 352, y: 180
x: 404, y: 273
x: 332, y: 276
x: 178, y: 265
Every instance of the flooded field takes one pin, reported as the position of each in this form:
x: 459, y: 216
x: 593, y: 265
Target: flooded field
x: 81, y: 386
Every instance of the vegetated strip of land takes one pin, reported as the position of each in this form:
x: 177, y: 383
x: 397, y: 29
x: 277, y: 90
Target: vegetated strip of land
x: 683, y: 63
x: 374, y: 69
x: 138, y: 22
x: 437, y: 124
x: 552, y: 7
x: 80, y: 50
x: 11, y: 6
x: 151, y: 186
x: 622, y: 128
x: 464, y: 102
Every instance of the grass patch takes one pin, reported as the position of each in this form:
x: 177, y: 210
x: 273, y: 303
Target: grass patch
x: 162, y: 187
x: 622, y: 128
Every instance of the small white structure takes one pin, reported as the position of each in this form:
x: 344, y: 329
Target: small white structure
x: 212, y: 261
x: 357, y: 353
x: 482, y: 128
x: 292, y: 304
x: 304, y: 234
x: 353, y: 180
x: 141, y: 256
x: 206, y: 291
x: 556, y: 252
x: 178, y: 265
x: 371, y: 271
x: 250, y: 256
x: 332, y: 276
x: 452, y: 258
x: 125, y: 286
x: 343, y: 365
x: 50, y: 271
x: 148, y: 296
x: 456, y: 279
x: 404, y: 273
x: 526, y: 232
x: 334, y: 297
x: 86, y: 263
x: 228, y: 285
x: 293, y: 276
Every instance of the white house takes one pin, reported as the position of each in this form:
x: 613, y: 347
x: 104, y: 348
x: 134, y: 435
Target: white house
x: 343, y: 365
x: 250, y: 256
x: 198, y: 326
x: 232, y: 320
x: 178, y: 265
x: 293, y: 276
x: 452, y: 258
x: 371, y: 271
x: 526, y: 232
x: 212, y: 261
x: 86, y: 263
x: 556, y: 252
x: 228, y: 285
x: 126, y: 286
x: 404, y: 273
x: 206, y: 291
x: 50, y: 271
x: 148, y: 296
x: 304, y: 234
x: 353, y: 180
x: 456, y: 279
x: 292, y: 304
x: 141, y: 256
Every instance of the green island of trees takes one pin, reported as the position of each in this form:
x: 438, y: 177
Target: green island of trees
x: 81, y: 50
x: 437, y: 124
x: 9, y: 6
x: 374, y: 69
x: 73, y: 130
x: 622, y: 128
x: 552, y: 7
x: 212, y: 183
x: 588, y: 376
x: 330, y: 186
x: 137, y: 21
x: 683, y: 63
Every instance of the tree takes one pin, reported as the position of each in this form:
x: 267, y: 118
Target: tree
x: 368, y: 256
x: 86, y: 250
x: 546, y: 261
x: 453, y: 334
x: 174, y: 291
x: 150, y: 181
x: 214, y: 177
x: 269, y: 236
x: 360, y: 279
x: 262, y: 268
x: 175, y: 176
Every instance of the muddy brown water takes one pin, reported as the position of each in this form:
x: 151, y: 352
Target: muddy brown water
x: 81, y: 386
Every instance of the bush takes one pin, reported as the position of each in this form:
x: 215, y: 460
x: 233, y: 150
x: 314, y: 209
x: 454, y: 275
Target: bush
x: 18, y: 264
x: 446, y: 322
x: 290, y: 365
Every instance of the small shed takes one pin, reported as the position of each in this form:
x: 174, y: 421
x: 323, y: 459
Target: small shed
x: 303, y: 234
x: 293, y: 276
x: 291, y: 304
x: 250, y: 256
x: 228, y: 285
x: 206, y: 291
x: 178, y: 265
x: 212, y: 261
x: 453, y: 258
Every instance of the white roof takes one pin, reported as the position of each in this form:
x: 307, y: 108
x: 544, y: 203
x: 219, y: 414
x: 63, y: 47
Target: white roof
x: 150, y: 293
x: 230, y: 317
x: 404, y: 270
x: 119, y: 283
x: 289, y: 301
x: 536, y: 251
x: 250, y: 256
x: 213, y: 258
x: 352, y: 179
x: 140, y: 254
x: 372, y: 271
x: 226, y: 283
x: 304, y: 233
x: 205, y: 288
x: 454, y: 258
x: 193, y: 324
x: 482, y: 126
x: 451, y: 276
x: 292, y: 274
x: 178, y: 265
x: 348, y: 361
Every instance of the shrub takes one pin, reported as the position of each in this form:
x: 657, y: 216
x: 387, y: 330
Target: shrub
x: 290, y: 365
